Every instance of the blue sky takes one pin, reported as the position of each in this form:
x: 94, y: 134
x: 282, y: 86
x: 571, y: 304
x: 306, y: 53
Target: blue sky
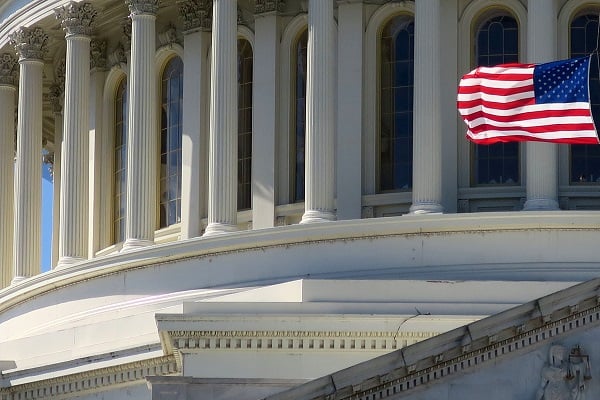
x: 47, y: 199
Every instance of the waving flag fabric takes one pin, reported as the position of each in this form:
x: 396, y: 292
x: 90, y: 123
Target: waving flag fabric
x: 528, y: 102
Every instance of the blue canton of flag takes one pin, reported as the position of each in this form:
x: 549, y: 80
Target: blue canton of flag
x: 564, y: 81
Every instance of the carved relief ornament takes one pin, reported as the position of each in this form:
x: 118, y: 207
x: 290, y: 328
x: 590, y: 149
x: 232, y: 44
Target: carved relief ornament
x: 265, y: 6
x: 76, y: 18
x: 30, y: 43
x: 97, y: 54
x: 196, y: 14
x: 8, y: 70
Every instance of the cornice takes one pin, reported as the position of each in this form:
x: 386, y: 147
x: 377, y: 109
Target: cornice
x: 84, y: 382
x: 466, y: 355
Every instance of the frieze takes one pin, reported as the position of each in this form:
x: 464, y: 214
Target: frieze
x: 76, y: 18
x: 266, y: 6
x: 196, y: 14
x: 8, y: 70
x: 30, y: 43
x: 88, y: 381
x: 137, y: 7
x: 97, y: 54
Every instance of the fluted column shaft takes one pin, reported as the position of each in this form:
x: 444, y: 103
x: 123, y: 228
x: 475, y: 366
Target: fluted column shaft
x: 140, y: 221
x: 542, y: 158
x: 31, y: 46
x: 320, y: 114
x: 222, y: 159
x: 73, y: 237
x: 7, y: 146
x: 427, y: 128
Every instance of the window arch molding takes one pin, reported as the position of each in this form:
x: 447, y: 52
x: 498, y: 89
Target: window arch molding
x: 371, y: 103
x: 291, y: 32
x: 567, y: 13
x: 111, y: 84
x: 472, y: 17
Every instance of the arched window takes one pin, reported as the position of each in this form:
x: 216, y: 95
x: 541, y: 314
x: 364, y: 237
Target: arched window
x: 170, y: 142
x: 585, y: 159
x: 497, y: 42
x: 120, y: 163
x: 244, y: 193
x: 396, y: 71
x: 299, y: 131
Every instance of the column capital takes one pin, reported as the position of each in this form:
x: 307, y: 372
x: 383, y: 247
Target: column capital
x: 98, y: 54
x: 138, y: 7
x: 76, y: 18
x: 196, y: 14
x: 267, y: 6
x: 30, y: 43
x: 8, y: 72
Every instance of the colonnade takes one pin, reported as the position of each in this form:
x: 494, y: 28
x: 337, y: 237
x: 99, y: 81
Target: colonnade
x: 20, y: 247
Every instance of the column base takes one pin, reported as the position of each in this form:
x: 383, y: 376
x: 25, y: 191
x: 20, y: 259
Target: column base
x: 541, y: 205
x: 314, y: 216
x: 218, y: 228
x: 426, y: 208
x: 17, y: 279
x: 134, y: 244
x: 64, y: 262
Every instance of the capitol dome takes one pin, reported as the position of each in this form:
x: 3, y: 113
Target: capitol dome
x: 253, y: 194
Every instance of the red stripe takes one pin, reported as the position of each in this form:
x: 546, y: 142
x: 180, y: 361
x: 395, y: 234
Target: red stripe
x: 533, y: 129
x: 578, y: 112
x: 498, y: 106
x: 499, y: 76
x: 493, y: 90
x: 521, y: 138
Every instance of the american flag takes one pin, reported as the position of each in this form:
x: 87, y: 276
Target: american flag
x: 528, y: 102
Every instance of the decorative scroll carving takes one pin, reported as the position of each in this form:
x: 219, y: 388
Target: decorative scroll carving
x: 196, y: 14
x: 97, y: 54
x: 564, y: 377
x: 55, y: 95
x: 168, y: 36
x: 8, y: 72
x: 265, y: 6
x: 30, y: 43
x: 76, y: 18
x: 137, y: 7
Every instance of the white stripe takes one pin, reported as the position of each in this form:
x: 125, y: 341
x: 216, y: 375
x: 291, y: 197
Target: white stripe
x: 525, y: 109
x: 544, y: 135
x: 531, y: 122
x: 495, y: 97
x: 504, y: 84
x: 504, y: 70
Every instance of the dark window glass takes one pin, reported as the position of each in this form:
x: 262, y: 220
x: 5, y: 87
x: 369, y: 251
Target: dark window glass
x: 120, y: 163
x: 396, y: 70
x: 585, y: 159
x: 300, y: 119
x: 497, y: 42
x: 170, y: 142
x: 244, y: 193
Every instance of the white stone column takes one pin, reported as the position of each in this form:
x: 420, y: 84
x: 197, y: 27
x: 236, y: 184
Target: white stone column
x: 142, y: 152
x: 30, y: 44
x: 97, y: 137
x: 55, y: 98
x: 320, y: 114
x: 7, y: 165
x: 222, y: 158
x: 265, y: 107
x: 350, y: 109
x: 76, y: 20
x: 427, y: 127
x: 196, y: 81
x: 541, y: 158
